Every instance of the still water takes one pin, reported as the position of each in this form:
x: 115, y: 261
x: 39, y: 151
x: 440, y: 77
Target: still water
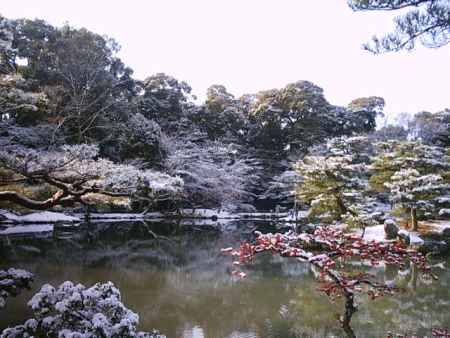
x: 181, y: 284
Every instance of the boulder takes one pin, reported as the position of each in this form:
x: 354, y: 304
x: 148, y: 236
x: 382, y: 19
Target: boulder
x: 308, y: 228
x: 446, y: 232
x: 391, y: 229
x: 434, y: 247
x: 404, y: 236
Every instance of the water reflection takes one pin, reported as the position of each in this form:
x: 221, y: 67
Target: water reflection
x: 182, y: 286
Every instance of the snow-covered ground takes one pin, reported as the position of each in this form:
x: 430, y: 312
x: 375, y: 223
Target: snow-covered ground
x: 375, y: 233
x: 206, y: 213
x: 39, y: 217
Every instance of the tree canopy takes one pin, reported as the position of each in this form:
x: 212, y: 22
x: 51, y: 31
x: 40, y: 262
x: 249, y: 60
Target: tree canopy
x: 423, y: 21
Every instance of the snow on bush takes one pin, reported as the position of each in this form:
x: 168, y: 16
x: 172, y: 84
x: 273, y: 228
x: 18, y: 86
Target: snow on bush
x: 12, y: 281
x: 74, y: 311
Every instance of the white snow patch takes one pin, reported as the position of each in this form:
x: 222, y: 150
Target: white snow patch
x: 375, y: 233
x: 40, y: 217
x: 206, y: 213
x: 444, y: 212
x: 414, y: 239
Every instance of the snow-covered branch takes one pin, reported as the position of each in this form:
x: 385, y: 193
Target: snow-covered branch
x: 76, y: 171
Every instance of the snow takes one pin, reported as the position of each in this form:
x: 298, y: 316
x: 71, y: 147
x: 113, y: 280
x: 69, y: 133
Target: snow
x: 444, y: 212
x: 40, y: 217
x: 443, y: 199
x: 206, y: 213
x: 414, y: 239
x: 375, y: 233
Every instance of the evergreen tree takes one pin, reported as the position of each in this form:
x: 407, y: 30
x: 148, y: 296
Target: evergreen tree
x: 426, y: 21
x: 414, y: 174
x: 334, y: 178
x: 414, y: 191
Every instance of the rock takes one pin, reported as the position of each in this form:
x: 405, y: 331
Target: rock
x: 378, y: 216
x: 391, y: 229
x: 446, y: 232
x: 308, y: 228
x: 415, y: 240
x: 434, y: 247
x: 404, y: 236
x: 445, y: 213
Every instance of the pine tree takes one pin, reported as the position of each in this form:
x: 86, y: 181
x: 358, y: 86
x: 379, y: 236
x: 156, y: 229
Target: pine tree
x: 335, y: 177
x: 413, y: 174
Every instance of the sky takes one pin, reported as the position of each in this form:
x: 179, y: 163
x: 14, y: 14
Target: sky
x: 253, y: 45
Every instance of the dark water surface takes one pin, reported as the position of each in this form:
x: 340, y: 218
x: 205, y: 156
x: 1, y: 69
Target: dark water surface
x: 183, y: 286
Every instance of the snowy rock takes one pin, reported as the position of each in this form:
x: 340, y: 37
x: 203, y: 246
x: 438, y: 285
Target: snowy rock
x: 415, y: 239
x: 444, y: 212
x: 404, y: 235
x: 446, y: 232
x: 391, y: 229
x: 308, y: 228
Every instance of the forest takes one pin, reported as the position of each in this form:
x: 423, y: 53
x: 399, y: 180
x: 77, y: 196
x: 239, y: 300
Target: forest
x: 82, y: 139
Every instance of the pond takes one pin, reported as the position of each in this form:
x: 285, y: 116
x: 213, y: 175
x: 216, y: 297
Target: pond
x: 181, y: 284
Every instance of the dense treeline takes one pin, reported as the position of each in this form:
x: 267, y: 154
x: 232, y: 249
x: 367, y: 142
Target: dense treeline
x: 62, y: 89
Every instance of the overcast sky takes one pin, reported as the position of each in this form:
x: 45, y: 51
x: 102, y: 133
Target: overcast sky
x: 251, y: 45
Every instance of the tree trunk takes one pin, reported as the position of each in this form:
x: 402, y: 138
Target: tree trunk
x: 414, y: 223
x: 350, y: 309
x: 342, y: 208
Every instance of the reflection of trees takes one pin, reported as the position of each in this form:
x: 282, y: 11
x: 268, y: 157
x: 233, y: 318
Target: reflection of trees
x: 179, y: 283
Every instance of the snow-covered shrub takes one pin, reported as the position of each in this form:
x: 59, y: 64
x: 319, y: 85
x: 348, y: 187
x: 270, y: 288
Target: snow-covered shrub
x: 12, y: 281
x: 74, y: 311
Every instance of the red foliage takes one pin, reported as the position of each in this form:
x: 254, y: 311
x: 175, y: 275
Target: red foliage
x: 333, y: 247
